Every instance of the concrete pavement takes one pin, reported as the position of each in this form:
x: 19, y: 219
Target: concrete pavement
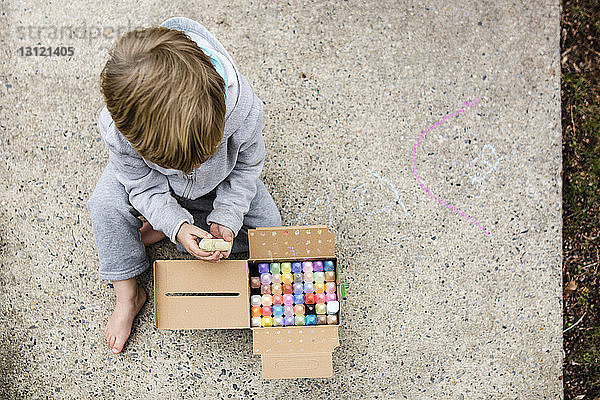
x: 449, y: 235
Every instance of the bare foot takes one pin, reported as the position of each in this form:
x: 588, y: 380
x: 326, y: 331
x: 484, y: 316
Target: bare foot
x: 118, y: 328
x: 149, y: 235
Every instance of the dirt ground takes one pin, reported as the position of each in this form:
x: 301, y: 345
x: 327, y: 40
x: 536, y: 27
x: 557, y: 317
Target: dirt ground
x: 581, y: 195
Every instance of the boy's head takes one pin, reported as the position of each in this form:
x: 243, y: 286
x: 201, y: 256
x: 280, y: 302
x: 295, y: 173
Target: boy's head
x: 165, y: 97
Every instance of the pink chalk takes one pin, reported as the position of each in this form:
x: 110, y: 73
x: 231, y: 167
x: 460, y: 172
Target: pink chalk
x: 426, y: 189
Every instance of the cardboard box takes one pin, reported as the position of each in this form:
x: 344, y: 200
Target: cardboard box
x: 188, y: 292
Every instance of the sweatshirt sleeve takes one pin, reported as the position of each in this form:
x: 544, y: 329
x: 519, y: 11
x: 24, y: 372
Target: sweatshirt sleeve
x: 147, y: 188
x: 234, y: 193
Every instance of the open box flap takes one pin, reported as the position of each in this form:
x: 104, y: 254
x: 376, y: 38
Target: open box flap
x: 296, y: 351
x: 286, y: 242
x: 196, y: 294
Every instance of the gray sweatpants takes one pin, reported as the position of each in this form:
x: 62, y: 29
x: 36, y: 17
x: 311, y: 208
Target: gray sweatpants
x: 121, y: 253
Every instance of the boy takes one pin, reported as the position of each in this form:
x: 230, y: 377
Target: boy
x: 184, y: 133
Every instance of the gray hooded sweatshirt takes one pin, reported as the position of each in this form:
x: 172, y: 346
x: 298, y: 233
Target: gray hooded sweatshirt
x: 233, y: 170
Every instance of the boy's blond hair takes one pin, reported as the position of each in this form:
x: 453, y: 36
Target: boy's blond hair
x: 165, y: 97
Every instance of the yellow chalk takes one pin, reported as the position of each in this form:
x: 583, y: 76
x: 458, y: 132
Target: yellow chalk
x: 214, y: 244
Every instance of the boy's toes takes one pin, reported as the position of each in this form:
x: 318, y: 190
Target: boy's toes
x: 118, y: 345
x: 111, y: 341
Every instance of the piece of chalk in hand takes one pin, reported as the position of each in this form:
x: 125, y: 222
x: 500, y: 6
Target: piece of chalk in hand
x: 214, y: 244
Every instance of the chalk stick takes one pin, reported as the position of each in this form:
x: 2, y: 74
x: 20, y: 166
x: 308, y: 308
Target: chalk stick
x: 214, y: 244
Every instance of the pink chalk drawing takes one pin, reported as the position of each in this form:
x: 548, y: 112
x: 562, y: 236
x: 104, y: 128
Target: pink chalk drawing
x: 446, y: 204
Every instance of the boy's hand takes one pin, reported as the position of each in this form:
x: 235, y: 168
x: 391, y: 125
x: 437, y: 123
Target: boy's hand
x: 188, y: 236
x: 222, y: 232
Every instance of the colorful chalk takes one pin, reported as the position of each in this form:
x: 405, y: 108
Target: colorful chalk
x: 294, y: 293
x: 299, y: 298
x: 321, y: 308
x: 255, y: 282
x: 319, y: 287
x: 263, y: 268
x: 298, y: 277
x: 265, y: 289
x: 266, y: 279
x: 277, y: 311
x: 266, y: 300
x: 287, y: 288
x: 319, y: 276
x: 276, y: 289
x: 256, y: 311
x: 288, y: 299
x: 330, y: 287
x: 275, y: 268
x: 333, y: 307
x: 255, y: 300
x: 286, y: 267
x: 287, y: 277
x: 298, y: 288
x: 309, y: 287
x: 307, y: 266
x: 309, y: 277
x: 288, y: 310
x: 277, y: 299
x: 329, y: 276
x: 317, y: 266
x: 296, y: 267
x: 309, y: 298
